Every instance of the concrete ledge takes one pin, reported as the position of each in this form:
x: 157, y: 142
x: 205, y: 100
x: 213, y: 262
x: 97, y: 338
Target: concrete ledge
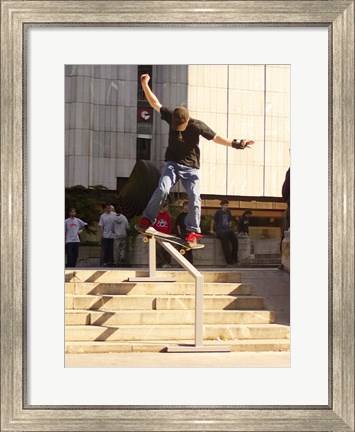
x: 210, y: 255
x: 250, y: 252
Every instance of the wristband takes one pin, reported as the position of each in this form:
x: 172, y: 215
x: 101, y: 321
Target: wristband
x: 239, y: 145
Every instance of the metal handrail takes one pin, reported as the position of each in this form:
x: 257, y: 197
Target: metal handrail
x: 199, y: 279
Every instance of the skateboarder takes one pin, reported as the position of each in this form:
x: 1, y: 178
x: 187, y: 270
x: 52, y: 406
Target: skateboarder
x: 182, y: 159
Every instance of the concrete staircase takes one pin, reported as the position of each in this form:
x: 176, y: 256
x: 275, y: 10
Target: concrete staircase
x: 106, y: 313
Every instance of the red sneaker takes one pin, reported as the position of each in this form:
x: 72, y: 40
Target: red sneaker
x: 191, y: 240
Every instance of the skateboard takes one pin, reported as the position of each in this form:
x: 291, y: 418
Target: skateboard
x: 184, y: 247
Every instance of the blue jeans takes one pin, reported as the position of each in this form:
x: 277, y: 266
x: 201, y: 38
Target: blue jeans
x: 172, y: 172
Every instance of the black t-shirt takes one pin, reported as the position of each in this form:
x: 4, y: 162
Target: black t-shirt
x: 243, y: 225
x: 183, y: 147
x: 223, y: 219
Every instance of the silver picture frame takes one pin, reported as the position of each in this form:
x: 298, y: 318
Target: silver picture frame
x: 16, y: 18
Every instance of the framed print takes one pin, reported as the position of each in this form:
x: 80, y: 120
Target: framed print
x: 49, y: 76
x: 17, y: 410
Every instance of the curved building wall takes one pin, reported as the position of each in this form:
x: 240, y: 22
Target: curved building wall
x: 100, y: 135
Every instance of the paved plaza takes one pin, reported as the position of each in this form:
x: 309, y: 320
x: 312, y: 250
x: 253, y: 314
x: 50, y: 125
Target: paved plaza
x: 182, y: 360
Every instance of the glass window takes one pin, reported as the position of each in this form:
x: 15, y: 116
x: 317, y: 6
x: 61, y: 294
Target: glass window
x: 143, y: 149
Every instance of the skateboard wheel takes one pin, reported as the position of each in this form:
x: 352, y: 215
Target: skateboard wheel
x: 182, y: 251
x: 145, y: 239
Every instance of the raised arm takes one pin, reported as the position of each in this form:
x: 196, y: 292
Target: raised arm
x: 151, y: 98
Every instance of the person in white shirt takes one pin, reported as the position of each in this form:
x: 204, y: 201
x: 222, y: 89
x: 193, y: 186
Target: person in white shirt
x: 73, y: 227
x: 106, y: 234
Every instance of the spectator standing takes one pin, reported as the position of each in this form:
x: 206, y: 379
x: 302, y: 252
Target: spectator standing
x: 106, y: 235
x: 181, y: 227
x: 163, y: 224
x: 73, y: 227
x: 120, y: 229
x: 221, y: 226
x: 243, y: 223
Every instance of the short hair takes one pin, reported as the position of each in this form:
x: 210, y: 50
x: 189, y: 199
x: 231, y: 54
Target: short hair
x: 224, y: 201
x: 72, y: 208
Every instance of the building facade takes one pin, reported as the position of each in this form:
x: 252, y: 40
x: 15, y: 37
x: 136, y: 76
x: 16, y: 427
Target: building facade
x: 109, y: 124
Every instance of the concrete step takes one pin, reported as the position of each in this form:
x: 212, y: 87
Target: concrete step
x: 210, y: 302
x: 150, y: 288
x: 111, y: 318
x: 108, y: 302
x: 254, y: 345
x: 104, y: 276
x: 146, y: 302
x: 175, y: 332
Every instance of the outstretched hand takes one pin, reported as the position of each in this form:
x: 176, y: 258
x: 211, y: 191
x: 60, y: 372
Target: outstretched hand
x: 242, y: 144
x: 249, y: 143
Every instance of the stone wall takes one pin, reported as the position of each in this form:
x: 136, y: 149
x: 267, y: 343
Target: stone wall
x: 212, y: 254
x: 265, y: 251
